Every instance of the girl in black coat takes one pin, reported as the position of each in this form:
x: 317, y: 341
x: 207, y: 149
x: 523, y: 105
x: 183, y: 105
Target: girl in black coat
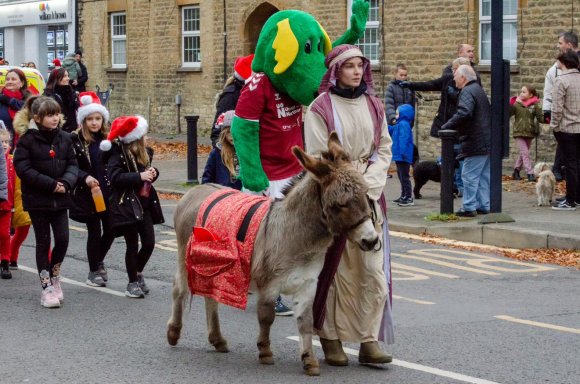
x: 93, y: 119
x: 134, y: 205
x: 58, y: 88
x: 45, y: 162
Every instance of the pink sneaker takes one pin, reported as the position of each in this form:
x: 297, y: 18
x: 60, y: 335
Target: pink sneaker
x: 57, y: 289
x: 48, y: 298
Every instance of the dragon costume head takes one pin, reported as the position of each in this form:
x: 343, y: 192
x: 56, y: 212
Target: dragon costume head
x: 291, y: 51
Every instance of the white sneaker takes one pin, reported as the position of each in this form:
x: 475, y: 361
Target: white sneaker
x: 57, y: 288
x: 48, y: 298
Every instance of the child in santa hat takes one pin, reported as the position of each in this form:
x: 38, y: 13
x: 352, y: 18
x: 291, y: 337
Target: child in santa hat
x: 45, y: 162
x: 134, y: 205
x: 93, y: 119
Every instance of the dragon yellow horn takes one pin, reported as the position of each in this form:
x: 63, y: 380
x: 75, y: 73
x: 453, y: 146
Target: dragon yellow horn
x: 286, y: 47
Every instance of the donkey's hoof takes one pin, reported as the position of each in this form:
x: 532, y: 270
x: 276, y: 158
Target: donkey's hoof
x: 267, y: 359
x: 311, y: 366
x: 221, y: 347
x: 173, y: 334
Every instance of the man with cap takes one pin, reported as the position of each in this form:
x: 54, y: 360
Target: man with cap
x: 229, y: 96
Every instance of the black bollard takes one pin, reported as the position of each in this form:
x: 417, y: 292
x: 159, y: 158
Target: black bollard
x: 447, y: 137
x: 192, y: 149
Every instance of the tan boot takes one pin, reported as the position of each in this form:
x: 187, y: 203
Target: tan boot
x: 333, y: 353
x: 370, y: 353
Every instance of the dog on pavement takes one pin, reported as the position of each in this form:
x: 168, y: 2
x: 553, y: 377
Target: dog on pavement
x: 546, y: 183
x: 425, y: 171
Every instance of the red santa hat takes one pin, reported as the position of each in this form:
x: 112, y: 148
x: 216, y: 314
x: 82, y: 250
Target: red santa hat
x: 127, y: 129
x: 56, y: 63
x: 243, y: 67
x: 90, y: 103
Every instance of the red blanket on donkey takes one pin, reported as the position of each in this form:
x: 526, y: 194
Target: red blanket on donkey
x: 219, y: 268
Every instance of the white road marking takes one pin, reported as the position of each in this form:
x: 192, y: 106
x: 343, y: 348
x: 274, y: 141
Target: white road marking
x: 438, y: 240
x: 538, y: 324
x: 397, y: 266
x: 77, y: 283
x: 78, y: 229
x: 416, y: 301
x: 416, y: 367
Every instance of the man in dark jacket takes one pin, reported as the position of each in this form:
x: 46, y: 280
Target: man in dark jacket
x: 472, y: 120
x: 84, y: 75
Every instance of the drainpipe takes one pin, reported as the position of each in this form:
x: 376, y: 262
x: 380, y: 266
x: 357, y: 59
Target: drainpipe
x: 76, y: 13
x: 225, y: 44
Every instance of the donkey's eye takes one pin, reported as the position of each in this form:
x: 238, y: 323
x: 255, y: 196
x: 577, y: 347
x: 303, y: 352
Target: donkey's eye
x: 308, y: 46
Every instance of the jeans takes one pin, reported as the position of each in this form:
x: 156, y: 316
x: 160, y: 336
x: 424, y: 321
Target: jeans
x: 570, y: 146
x: 475, y: 175
x: 404, y: 178
x: 457, y: 175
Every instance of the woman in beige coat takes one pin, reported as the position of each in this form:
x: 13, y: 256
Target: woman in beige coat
x: 353, y: 300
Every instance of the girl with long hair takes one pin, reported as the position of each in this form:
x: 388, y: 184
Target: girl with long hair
x: 58, y: 88
x: 12, y: 98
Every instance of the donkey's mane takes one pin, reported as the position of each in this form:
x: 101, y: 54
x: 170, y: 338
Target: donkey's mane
x: 293, y: 182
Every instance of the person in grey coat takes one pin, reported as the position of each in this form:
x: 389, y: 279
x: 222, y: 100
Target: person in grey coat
x: 472, y: 121
x: 398, y: 95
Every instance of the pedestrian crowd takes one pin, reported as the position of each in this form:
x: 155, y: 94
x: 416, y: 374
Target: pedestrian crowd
x: 60, y: 156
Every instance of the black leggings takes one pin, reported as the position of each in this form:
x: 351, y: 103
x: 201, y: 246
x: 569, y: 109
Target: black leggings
x: 42, y: 221
x: 99, y: 240
x: 135, y: 258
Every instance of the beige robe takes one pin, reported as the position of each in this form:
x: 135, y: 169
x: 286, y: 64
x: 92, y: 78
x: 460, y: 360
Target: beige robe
x: 357, y: 296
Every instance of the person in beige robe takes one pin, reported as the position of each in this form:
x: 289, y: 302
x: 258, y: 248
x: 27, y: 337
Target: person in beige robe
x: 358, y: 303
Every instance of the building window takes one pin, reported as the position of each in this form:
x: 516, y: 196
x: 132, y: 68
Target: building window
x: 369, y: 43
x: 119, y: 40
x: 190, y: 39
x: 510, y: 30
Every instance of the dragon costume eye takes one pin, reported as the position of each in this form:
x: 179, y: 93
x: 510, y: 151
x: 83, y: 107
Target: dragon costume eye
x: 308, y: 46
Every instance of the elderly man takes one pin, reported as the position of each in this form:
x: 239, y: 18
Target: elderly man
x: 566, y: 41
x: 472, y: 121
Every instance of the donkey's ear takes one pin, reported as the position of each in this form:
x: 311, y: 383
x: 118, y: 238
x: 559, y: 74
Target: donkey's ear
x: 335, y: 150
x: 318, y: 168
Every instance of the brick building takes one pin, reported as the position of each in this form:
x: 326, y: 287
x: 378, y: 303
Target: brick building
x: 153, y: 50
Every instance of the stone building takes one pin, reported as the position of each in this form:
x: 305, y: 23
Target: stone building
x: 153, y: 50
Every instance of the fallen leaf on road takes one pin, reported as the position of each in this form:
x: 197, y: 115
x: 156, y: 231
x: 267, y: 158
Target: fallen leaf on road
x: 167, y: 150
x: 170, y: 196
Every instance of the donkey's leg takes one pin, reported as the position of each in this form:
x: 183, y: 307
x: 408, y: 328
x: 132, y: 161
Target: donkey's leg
x: 213, y: 326
x: 266, y: 315
x: 180, y: 291
x: 303, y: 300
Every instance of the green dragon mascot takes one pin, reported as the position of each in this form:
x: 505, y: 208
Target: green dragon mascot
x: 288, y: 67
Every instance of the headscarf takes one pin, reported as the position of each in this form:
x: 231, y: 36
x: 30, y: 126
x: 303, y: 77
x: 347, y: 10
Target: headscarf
x: 336, y: 58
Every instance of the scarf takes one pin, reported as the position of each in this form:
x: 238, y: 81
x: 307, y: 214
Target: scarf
x: 15, y: 95
x: 349, y: 93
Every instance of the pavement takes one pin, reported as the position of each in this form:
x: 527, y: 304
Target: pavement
x: 533, y: 226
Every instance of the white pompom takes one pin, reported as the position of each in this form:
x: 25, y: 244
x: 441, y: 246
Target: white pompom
x: 86, y: 99
x: 105, y: 145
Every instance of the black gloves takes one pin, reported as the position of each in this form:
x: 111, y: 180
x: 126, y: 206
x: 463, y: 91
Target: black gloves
x: 547, y: 117
x: 4, y: 99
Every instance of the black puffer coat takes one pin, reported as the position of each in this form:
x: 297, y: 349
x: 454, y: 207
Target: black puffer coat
x: 396, y: 96
x: 83, y: 206
x: 39, y: 171
x: 126, y: 207
x: 449, y: 93
x: 472, y: 121
x: 67, y: 99
x: 226, y: 102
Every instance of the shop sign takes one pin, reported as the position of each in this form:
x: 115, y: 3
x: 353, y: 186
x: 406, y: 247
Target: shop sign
x: 34, y: 13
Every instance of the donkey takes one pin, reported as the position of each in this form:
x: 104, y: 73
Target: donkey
x: 328, y: 200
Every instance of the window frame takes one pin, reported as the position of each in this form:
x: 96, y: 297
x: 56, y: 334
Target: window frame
x: 185, y: 34
x: 115, y: 37
x: 507, y: 19
x: 370, y: 25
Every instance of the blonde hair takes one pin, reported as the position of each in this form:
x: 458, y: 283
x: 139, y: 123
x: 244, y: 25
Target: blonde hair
x: 460, y: 61
x: 228, y: 152
x: 5, y: 135
x: 86, y: 132
x: 137, y: 149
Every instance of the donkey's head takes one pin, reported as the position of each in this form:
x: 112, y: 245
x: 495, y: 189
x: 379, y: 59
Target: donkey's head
x: 343, y: 194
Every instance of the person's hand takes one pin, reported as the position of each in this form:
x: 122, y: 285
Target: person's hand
x: 518, y: 100
x: 75, y: 83
x: 547, y: 117
x: 153, y: 171
x: 59, y: 188
x: 405, y: 84
x: 147, y: 175
x: 4, y: 99
x: 91, y: 182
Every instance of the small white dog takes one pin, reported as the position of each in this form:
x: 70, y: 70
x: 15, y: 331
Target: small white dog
x: 546, y: 183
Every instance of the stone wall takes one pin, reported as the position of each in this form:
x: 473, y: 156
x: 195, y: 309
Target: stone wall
x: 423, y: 34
